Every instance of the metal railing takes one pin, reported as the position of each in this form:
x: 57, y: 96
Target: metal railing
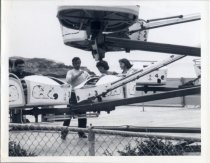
x: 45, y: 140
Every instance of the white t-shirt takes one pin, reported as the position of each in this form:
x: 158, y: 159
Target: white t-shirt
x: 131, y: 86
x: 70, y: 75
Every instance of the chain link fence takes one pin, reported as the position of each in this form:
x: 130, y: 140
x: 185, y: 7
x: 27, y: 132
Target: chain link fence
x: 44, y: 140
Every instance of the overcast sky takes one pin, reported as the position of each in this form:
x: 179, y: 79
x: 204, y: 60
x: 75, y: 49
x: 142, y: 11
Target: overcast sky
x: 33, y: 30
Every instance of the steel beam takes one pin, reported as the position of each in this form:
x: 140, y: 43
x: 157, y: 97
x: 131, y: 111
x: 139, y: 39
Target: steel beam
x: 167, y: 21
x: 151, y: 129
x: 155, y: 88
x: 152, y: 46
x: 157, y: 23
x: 140, y: 99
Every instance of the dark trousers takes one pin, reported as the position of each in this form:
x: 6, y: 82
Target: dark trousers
x: 82, y: 122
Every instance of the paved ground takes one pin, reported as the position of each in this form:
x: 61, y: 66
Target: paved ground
x: 151, y: 116
x: 49, y: 143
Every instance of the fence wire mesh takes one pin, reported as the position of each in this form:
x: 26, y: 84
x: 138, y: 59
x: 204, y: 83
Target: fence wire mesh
x: 34, y: 140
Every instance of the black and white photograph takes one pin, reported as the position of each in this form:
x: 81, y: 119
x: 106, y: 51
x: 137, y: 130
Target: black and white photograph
x: 107, y: 79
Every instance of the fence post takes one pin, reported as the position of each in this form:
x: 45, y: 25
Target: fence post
x: 183, y: 99
x: 91, y: 142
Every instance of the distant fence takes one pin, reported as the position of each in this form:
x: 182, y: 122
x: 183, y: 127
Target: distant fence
x: 36, y: 140
x: 182, y: 101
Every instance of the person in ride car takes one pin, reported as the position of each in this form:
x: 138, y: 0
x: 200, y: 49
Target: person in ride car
x: 19, y: 70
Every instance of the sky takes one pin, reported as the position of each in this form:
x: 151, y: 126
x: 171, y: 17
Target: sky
x: 31, y: 29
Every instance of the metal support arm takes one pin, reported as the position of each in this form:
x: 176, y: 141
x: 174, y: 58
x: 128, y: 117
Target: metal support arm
x: 159, y: 96
x: 152, y: 46
x: 110, y: 105
x: 167, y: 21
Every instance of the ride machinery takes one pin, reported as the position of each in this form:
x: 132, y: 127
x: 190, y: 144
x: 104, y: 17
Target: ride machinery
x: 102, y: 29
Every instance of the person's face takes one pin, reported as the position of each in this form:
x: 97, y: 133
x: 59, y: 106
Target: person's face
x: 77, y: 64
x: 10, y: 68
x: 122, y: 65
x: 20, y: 67
x: 101, y: 69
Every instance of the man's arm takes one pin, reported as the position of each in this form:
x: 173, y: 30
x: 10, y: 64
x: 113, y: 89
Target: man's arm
x: 70, y: 77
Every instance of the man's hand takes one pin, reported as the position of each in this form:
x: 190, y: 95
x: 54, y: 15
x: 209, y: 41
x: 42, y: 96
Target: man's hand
x: 86, y: 69
x: 78, y: 75
x: 82, y: 71
x: 115, y: 73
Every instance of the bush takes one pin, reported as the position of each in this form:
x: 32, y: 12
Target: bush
x: 16, y: 150
x: 151, y: 147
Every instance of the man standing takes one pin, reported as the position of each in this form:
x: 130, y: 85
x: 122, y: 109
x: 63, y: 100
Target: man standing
x: 75, y: 77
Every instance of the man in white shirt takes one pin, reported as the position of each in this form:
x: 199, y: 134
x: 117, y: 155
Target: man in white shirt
x: 75, y: 77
